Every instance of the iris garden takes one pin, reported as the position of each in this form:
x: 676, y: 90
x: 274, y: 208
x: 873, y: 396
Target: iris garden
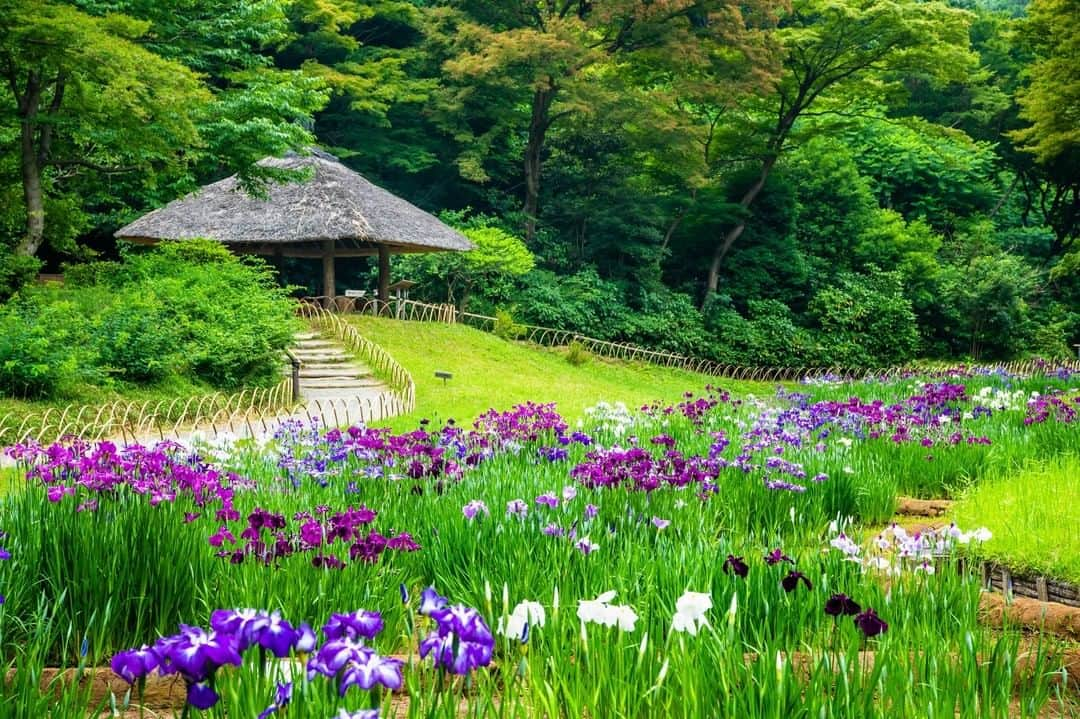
x: 721, y: 556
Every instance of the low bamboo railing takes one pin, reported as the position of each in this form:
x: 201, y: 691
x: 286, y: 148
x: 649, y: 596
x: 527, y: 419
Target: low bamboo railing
x: 151, y: 419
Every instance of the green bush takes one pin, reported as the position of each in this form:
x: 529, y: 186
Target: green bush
x: 138, y: 339
x: 190, y: 310
x: 865, y: 321
x: 506, y: 327
x: 43, y: 350
x: 576, y: 354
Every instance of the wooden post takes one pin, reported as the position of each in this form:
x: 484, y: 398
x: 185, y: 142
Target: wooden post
x: 328, y: 279
x: 384, y: 278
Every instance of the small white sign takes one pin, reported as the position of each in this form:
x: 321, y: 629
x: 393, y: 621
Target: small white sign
x: 355, y: 293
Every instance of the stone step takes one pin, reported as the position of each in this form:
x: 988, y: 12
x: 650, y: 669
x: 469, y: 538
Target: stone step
x: 341, y: 385
x: 345, y: 371
x: 317, y: 345
x: 318, y: 356
x: 303, y: 336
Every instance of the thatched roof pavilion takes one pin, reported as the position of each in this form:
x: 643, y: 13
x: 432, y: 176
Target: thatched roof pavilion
x: 335, y: 213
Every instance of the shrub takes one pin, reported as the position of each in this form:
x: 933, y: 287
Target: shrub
x: 43, y: 350
x: 576, y: 354
x: 506, y: 327
x: 866, y: 321
x: 138, y: 339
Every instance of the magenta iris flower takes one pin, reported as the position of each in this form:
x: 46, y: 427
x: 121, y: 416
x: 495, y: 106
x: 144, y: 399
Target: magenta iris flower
x: 776, y: 556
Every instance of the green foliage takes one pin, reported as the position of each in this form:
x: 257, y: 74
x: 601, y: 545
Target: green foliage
x: 576, y: 354
x: 44, y: 350
x: 187, y: 309
x: 865, y: 321
x: 506, y: 327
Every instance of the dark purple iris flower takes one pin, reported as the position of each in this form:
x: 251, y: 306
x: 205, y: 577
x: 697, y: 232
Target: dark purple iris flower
x: 776, y: 556
x: 735, y: 565
x: 791, y: 581
x: 841, y: 605
x: 870, y: 623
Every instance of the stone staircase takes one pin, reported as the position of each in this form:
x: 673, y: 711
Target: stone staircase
x: 329, y: 373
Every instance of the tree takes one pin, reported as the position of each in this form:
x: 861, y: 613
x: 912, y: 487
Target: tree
x: 1051, y: 104
x: 839, y: 56
x: 86, y: 95
x: 551, y: 58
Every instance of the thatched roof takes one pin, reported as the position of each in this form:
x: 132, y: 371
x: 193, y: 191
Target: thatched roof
x: 336, y: 203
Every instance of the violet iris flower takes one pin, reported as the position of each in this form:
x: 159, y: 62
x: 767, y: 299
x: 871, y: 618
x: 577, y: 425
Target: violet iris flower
x: 431, y: 601
x: 134, y: 664
x: 359, y: 714
x: 735, y: 565
x: 360, y: 624
x: 870, y: 623
x: 461, y: 642
x: 281, y: 698
x: 841, y: 605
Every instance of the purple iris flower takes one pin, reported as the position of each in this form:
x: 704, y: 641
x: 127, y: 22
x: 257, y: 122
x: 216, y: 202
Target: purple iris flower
x: 791, y: 581
x: 735, y: 565
x: 660, y: 523
x: 305, y: 639
x: 870, y: 623
x: 201, y: 695
x: 841, y: 605
x: 431, y: 601
x: 358, y: 624
x: 4, y: 554
x: 195, y: 653
x: 134, y: 664
x: 591, y: 510
x: 474, y: 508
x: 549, y: 499
x: 281, y: 698
x: 461, y: 643
x: 368, y: 669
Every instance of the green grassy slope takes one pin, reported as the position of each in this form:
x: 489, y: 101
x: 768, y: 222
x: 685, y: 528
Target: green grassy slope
x: 492, y: 372
x: 1034, y: 515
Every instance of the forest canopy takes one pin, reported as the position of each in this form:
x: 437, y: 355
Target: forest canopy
x: 769, y: 182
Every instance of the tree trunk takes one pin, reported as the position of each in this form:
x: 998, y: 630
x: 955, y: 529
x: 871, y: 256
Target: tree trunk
x: 31, y: 169
x: 534, y: 147
x: 733, y: 234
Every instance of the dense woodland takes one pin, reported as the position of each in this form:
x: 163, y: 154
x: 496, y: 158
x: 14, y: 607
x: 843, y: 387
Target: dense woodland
x: 802, y: 182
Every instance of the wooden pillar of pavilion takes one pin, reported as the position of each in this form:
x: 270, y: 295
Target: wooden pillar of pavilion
x: 384, y: 278
x: 328, y: 279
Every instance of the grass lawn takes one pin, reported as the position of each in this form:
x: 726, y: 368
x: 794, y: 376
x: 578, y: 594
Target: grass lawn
x: 492, y: 372
x: 1034, y: 515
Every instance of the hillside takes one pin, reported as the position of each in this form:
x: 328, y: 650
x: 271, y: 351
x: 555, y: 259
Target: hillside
x: 492, y: 372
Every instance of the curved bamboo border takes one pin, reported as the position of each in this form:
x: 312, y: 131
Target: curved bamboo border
x: 411, y: 310
x: 149, y: 419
